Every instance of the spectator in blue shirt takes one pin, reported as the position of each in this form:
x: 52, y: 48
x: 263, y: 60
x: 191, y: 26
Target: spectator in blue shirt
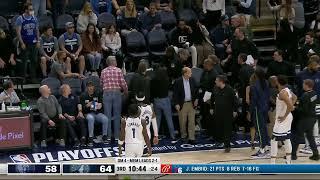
x: 96, y: 6
x: 151, y: 20
x: 27, y: 30
x: 311, y: 72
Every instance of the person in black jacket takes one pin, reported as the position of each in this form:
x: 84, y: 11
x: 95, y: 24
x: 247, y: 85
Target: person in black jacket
x: 245, y: 73
x: 224, y: 105
x: 206, y: 85
x: 7, y: 59
x: 183, y: 37
x: 140, y: 83
x: 306, y: 108
x: 159, y: 91
x: 279, y: 66
x: 185, y: 98
x: 72, y: 111
x: 241, y: 45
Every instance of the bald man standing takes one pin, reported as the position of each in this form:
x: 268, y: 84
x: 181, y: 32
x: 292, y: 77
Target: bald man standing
x: 51, y: 116
x: 185, y: 98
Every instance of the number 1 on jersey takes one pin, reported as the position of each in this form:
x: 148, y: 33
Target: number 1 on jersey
x: 134, y: 132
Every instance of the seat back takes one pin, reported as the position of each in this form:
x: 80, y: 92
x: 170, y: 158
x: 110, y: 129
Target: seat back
x: 135, y: 42
x: 4, y: 24
x: 168, y: 20
x: 75, y: 6
x: 157, y: 40
x: 10, y: 8
x: 95, y: 80
x: 188, y: 15
x: 105, y: 19
x: 62, y: 20
x: 196, y: 74
x: 53, y: 83
x: 45, y: 21
x: 128, y: 77
x: 13, y: 22
x: 75, y: 85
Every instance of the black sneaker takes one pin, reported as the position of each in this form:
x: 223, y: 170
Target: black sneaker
x: 184, y: 140
x: 173, y: 140
x: 227, y: 150
x: 192, y: 142
x: 76, y: 143
x: 83, y: 141
x: 105, y: 139
x: 314, y: 157
x: 90, y: 141
x: 293, y: 157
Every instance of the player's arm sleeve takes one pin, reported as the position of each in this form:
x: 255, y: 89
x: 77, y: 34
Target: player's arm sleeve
x: 154, y: 126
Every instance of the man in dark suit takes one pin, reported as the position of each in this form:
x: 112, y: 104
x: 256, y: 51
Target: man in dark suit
x: 185, y: 100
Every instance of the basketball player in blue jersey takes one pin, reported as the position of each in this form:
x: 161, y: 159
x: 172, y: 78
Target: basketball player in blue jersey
x: 70, y: 42
x: 134, y: 134
x: 27, y: 30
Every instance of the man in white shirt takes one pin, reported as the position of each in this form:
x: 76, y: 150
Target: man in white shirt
x: 213, y: 10
x: 9, y: 95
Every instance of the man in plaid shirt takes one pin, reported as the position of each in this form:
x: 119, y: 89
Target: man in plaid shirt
x: 113, y: 83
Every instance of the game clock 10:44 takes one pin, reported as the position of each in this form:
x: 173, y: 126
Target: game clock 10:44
x: 137, y: 168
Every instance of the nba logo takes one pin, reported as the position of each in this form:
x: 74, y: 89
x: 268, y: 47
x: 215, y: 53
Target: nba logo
x: 166, y: 169
x: 20, y: 158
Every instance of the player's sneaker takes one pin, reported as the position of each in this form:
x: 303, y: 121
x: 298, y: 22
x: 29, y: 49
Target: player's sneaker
x: 306, y: 150
x: 260, y: 155
x: 76, y: 143
x: 62, y: 143
x: 314, y: 157
x: 90, y: 141
x: 43, y: 144
x: 174, y: 140
x: 105, y: 139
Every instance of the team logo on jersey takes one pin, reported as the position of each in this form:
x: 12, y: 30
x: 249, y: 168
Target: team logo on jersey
x: 20, y: 158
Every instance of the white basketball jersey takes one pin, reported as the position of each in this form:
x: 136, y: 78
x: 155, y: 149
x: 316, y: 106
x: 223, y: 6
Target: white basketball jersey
x: 282, y: 128
x: 134, y: 131
x: 146, y: 114
x: 281, y: 106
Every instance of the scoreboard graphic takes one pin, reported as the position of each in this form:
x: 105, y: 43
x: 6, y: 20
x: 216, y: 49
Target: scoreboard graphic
x: 153, y: 166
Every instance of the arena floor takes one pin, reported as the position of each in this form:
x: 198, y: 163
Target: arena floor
x: 237, y: 156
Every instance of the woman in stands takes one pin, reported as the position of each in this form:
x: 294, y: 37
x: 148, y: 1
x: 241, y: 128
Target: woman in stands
x: 111, y: 44
x: 128, y: 20
x: 85, y: 17
x: 92, y: 47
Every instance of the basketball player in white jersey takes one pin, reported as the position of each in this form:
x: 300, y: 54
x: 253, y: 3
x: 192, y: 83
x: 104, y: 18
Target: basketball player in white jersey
x: 282, y: 127
x: 148, y: 114
x: 134, y: 134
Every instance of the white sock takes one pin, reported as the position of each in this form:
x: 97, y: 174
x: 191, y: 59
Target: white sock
x: 288, y: 149
x: 274, y: 151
